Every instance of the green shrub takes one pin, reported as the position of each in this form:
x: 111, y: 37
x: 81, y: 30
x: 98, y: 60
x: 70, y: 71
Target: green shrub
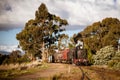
x: 104, y: 55
x: 111, y: 63
x: 115, y: 61
x: 24, y: 58
x: 107, y: 56
x: 90, y: 57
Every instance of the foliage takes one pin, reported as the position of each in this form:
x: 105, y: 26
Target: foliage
x: 115, y: 61
x: 108, y: 56
x: 100, y: 34
x: 23, y: 59
x: 104, y: 55
x: 90, y: 57
x: 2, y: 58
x: 42, y: 32
x: 71, y: 43
x: 13, y: 57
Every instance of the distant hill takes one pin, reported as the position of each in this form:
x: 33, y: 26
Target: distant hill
x: 4, y: 52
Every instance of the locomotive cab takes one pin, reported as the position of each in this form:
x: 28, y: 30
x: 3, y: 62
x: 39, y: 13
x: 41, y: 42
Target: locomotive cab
x: 80, y: 56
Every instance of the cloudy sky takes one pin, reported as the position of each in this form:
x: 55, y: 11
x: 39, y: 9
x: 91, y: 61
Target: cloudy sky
x: 79, y: 13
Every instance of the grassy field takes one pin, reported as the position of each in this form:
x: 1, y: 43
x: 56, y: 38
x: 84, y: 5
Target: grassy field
x: 14, y: 70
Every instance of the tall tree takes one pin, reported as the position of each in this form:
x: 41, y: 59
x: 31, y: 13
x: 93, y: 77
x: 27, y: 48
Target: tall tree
x: 101, y: 34
x: 42, y: 32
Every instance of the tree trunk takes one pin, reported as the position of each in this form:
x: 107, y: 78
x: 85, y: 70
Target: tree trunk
x: 43, y: 52
x: 30, y: 56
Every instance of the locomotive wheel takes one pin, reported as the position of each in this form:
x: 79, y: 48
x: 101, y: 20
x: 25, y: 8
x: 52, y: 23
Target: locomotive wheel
x: 86, y: 63
x: 77, y: 63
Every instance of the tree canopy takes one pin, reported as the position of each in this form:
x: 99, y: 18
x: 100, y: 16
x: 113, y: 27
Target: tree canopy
x: 100, y: 34
x: 42, y: 32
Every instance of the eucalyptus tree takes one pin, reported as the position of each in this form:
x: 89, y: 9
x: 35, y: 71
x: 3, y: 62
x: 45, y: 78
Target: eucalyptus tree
x: 42, y: 32
x: 101, y: 34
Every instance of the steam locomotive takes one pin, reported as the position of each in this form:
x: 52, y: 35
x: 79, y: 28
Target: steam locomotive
x: 76, y: 56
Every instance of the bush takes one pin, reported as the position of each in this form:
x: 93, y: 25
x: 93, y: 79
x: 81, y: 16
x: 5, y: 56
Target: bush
x: 24, y: 58
x: 107, y: 56
x: 2, y: 58
x: 115, y: 61
x: 90, y: 57
x: 104, y: 55
x: 111, y: 63
x: 14, y: 59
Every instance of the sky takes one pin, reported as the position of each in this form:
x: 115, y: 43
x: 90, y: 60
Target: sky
x: 79, y: 14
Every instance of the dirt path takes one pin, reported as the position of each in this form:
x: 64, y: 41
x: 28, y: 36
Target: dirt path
x: 71, y: 72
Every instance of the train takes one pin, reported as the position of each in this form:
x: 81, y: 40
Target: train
x: 77, y: 56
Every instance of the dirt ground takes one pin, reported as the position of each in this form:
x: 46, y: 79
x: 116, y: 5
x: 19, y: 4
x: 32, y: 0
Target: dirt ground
x: 47, y: 73
x: 57, y: 71
x: 96, y: 73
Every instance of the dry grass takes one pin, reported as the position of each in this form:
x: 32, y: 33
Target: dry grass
x: 20, y: 66
x: 12, y: 70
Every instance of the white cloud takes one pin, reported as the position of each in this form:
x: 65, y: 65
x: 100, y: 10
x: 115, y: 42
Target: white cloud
x: 9, y: 48
x: 77, y: 12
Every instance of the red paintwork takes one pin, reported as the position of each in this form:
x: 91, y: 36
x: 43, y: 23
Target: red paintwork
x: 64, y: 54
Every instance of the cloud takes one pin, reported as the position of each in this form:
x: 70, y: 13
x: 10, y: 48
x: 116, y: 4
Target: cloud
x: 75, y: 27
x: 9, y: 48
x: 7, y: 27
x: 83, y: 12
x: 77, y: 12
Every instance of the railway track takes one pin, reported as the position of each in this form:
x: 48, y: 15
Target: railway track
x: 84, y: 74
x: 90, y: 73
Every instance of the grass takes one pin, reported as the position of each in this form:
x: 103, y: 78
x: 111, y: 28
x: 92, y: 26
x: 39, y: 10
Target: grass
x: 14, y: 72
